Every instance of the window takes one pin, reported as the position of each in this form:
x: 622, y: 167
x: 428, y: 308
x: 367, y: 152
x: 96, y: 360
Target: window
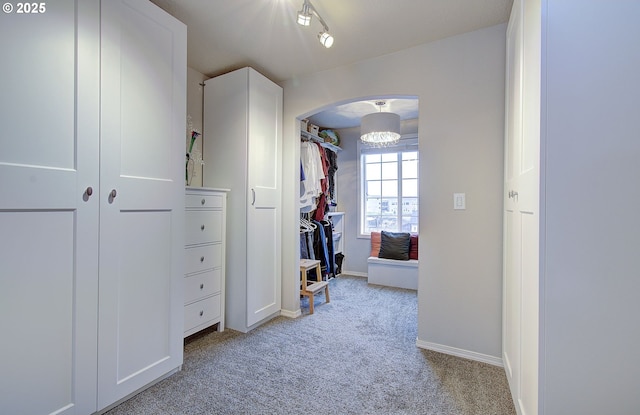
x: 389, y: 188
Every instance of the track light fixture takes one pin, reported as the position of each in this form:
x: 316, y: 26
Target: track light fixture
x: 304, y: 19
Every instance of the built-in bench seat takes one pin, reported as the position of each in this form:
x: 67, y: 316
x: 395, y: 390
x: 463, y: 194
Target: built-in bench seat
x: 393, y: 272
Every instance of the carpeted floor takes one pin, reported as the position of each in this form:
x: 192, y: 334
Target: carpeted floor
x: 354, y: 355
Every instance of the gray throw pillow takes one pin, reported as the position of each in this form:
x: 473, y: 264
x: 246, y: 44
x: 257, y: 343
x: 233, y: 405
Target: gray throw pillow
x: 394, y: 245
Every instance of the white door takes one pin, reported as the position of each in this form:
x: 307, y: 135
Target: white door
x: 49, y: 132
x: 263, y: 214
x: 521, y: 203
x: 143, y: 66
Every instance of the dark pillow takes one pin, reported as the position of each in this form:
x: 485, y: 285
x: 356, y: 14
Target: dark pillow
x: 394, y: 245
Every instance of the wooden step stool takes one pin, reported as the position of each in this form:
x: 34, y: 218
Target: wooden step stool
x: 309, y: 288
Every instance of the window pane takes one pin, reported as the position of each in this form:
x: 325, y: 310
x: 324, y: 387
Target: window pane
x: 389, y: 188
x: 371, y: 224
x: 388, y: 223
x: 373, y: 206
x: 389, y: 206
x: 390, y: 170
x: 410, y: 206
x: 410, y: 224
x: 410, y: 169
x: 389, y: 156
x: 409, y: 188
x: 373, y: 171
x: 372, y: 158
x: 373, y: 188
x: 410, y: 155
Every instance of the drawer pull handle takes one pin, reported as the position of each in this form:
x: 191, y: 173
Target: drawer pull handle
x: 89, y: 191
x: 202, y: 286
x: 201, y: 227
x: 202, y: 202
x: 201, y: 313
x: 201, y: 259
x: 113, y: 194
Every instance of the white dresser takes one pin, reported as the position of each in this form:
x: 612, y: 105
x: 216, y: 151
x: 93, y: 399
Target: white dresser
x: 204, y: 281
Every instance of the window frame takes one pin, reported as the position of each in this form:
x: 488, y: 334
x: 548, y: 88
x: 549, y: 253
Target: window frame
x: 408, y: 142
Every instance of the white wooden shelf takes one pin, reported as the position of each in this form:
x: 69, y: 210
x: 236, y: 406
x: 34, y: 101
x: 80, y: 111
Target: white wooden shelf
x: 319, y: 140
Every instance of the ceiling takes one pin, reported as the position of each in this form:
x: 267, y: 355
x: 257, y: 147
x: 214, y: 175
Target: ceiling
x: 224, y: 35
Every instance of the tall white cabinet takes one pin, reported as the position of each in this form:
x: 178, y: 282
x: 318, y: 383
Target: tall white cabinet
x: 571, y: 248
x: 92, y: 122
x: 243, y: 152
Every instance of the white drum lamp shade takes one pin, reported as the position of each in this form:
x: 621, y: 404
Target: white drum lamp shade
x: 380, y: 128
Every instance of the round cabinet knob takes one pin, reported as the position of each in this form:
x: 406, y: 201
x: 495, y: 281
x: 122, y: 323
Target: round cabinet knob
x: 89, y: 191
x: 202, y: 286
x: 201, y: 313
x: 113, y: 194
x: 202, y: 202
x: 201, y: 259
x: 202, y: 227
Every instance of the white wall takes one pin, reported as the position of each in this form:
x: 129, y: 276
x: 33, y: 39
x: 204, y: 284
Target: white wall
x: 591, y: 193
x: 460, y: 84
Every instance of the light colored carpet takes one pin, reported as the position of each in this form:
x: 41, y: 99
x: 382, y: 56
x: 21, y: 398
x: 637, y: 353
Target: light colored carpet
x: 354, y: 355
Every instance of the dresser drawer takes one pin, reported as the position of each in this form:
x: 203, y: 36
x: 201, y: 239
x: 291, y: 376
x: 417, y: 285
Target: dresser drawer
x: 201, y: 285
x: 203, y: 226
x: 203, y: 201
x: 201, y: 313
x: 200, y: 258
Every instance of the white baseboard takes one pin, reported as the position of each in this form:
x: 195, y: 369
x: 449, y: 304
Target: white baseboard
x: 466, y: 354
x: 354, y: 273
x: 291, y: 314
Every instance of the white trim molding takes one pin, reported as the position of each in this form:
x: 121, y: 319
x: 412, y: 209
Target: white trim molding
x: 466, y: 354
x: 291, y: 314
x: 354, y: 273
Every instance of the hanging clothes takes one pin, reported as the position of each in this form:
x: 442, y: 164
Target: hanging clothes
x: 332, y: 157
x: 320, y: 247
x: 328, y: 233
x: 310, y: 185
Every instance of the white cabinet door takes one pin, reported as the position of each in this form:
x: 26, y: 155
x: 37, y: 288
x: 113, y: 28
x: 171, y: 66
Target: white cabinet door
x: 143, y: 66
x: 49, y: 134
x: 521, y: 216
x: 263, y: 216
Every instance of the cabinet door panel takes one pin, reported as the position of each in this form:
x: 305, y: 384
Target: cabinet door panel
x: 48, y: 225
x: 143, y: 70
x: 263, y: 216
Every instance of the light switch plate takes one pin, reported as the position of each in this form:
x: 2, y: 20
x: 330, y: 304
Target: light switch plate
x: 459, y: 201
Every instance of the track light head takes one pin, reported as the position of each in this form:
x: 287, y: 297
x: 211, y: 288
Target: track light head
x: 304, y: 15
x: 326, y: 39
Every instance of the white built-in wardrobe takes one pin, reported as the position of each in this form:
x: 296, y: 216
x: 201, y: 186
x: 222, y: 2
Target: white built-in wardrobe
x: 243, y: 152
x: 571, y: 280
x: 92, y: 130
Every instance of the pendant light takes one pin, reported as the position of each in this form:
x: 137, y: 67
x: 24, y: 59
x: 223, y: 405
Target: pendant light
x: 380, y: 129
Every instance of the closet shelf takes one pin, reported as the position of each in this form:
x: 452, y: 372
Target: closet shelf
x: 317, y: 139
